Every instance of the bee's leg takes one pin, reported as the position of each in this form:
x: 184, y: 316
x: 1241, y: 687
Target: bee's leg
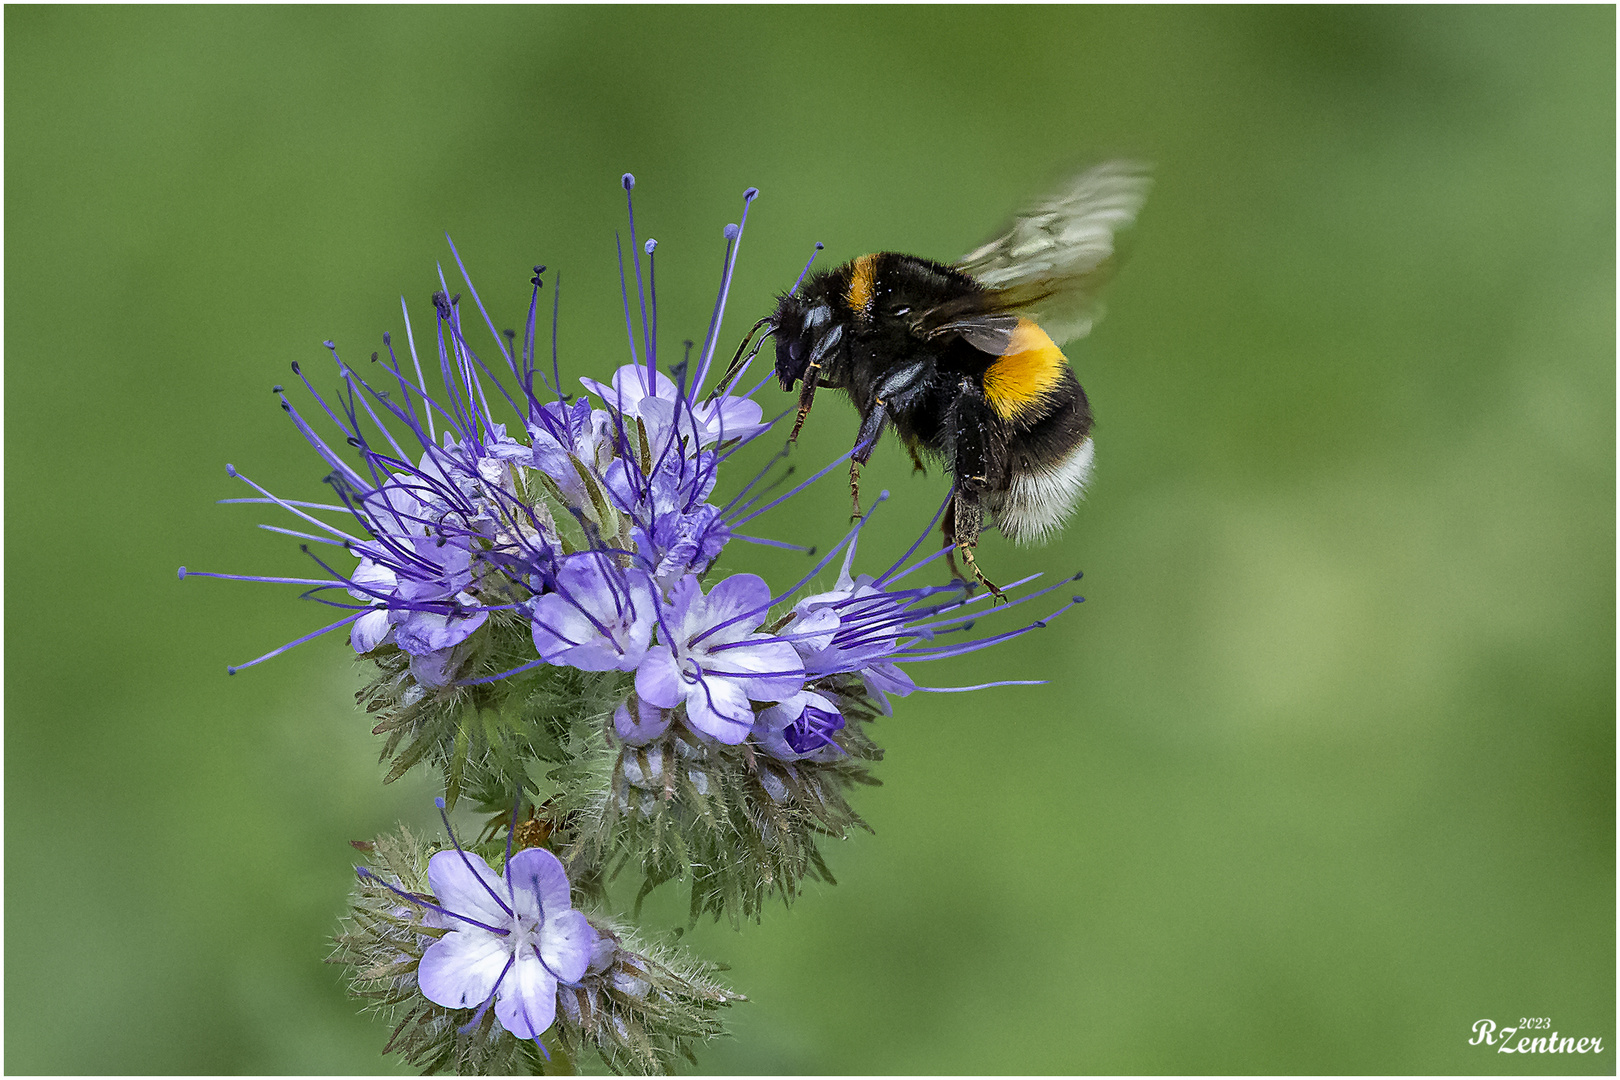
x: 968, y: 516
x: 807, y: 397
x: 947, y: 528
x: 737, y: 362
x: 865, y: 443
x: 916, y: 462
x: 974, y: 425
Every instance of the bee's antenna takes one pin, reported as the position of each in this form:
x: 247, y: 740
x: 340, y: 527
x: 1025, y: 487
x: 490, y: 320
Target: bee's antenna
x: 806, y: 270
x: 737, y: 363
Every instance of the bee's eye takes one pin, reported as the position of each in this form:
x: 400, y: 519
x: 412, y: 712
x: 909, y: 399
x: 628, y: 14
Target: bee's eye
x: 796, y: 350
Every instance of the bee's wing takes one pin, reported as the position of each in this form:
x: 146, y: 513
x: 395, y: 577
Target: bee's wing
x: 1050, y: 264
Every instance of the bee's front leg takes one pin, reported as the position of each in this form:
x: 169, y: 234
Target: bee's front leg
x: 807, y: 398
x: 865, y: 442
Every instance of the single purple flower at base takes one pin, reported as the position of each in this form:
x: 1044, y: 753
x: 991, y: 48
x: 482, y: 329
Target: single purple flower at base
x: 598, y: 618
x: 714, y: 662
x: 512, y: 939
x: 800, y: 728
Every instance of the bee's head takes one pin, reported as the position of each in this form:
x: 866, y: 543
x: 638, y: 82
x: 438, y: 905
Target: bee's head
x: 806, y: 332
x: 792, y: 348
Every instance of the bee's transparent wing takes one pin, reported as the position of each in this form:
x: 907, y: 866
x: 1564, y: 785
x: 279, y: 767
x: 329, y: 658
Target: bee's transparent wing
x: 1056, y: 255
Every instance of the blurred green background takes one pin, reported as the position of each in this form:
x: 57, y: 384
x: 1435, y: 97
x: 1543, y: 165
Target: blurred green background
x: 1325, y: 772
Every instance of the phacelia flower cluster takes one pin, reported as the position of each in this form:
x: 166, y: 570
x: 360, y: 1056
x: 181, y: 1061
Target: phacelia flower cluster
x: 537, y: 577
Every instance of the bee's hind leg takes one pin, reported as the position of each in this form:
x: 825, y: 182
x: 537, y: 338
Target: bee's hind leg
x: 961, y: 528
x: 995, y: 590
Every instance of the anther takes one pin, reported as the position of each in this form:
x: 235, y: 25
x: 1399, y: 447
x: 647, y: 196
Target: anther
x: 230, y: 470
x: 388, y: 339
x: 628, y: 180
x: 441, y: 304
x: 751, y: 194
x: 182, y: 573
x: 731, y: 232
x: 373, y: 358
x: 278, y: 389
x: 296, y: 369
x: 329, y: 344
x: 650, y: 246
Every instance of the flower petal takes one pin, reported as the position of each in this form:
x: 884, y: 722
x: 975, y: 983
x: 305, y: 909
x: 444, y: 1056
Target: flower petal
x: 766, y: 655
x: 460, y: 969
x: 738, y: 595
x: 369, y: 630
x: 539, y: 883
x: 658, y: 678
x: 719, y: 708
x: 464, y: 884
x: 639, y: 722
x: 527, y: 1002
x: 566, y: 943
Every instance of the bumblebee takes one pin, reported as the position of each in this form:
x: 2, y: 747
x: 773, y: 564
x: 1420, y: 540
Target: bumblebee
x: 963, y: 361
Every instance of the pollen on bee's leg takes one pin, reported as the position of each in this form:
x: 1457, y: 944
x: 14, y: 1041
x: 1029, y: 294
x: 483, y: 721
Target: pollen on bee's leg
x: 855, y: 489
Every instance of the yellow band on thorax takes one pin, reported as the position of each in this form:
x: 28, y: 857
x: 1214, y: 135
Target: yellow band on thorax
x: 862, y: 279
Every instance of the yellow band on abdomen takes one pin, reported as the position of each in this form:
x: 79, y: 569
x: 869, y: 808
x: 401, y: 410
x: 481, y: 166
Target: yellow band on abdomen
x: 1031, y: 368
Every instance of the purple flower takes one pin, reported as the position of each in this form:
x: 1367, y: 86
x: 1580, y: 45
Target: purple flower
x: 512, y: 938
x: 868, y: 625
x: 711, y: 659
x: 638, y: 722
x: 666, y: 411
x: 598, y: 617
x: 800, y: 728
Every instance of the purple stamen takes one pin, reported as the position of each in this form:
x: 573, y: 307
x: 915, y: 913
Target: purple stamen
x: 469, y: 1026
x: 733, y: 243
x: 837, y: 461
x: 635, y: 252
x: 419, y: 902
x: 467, y: 860
x: 292, y: 644
x: 806, y: 270
x: 624, y: 293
